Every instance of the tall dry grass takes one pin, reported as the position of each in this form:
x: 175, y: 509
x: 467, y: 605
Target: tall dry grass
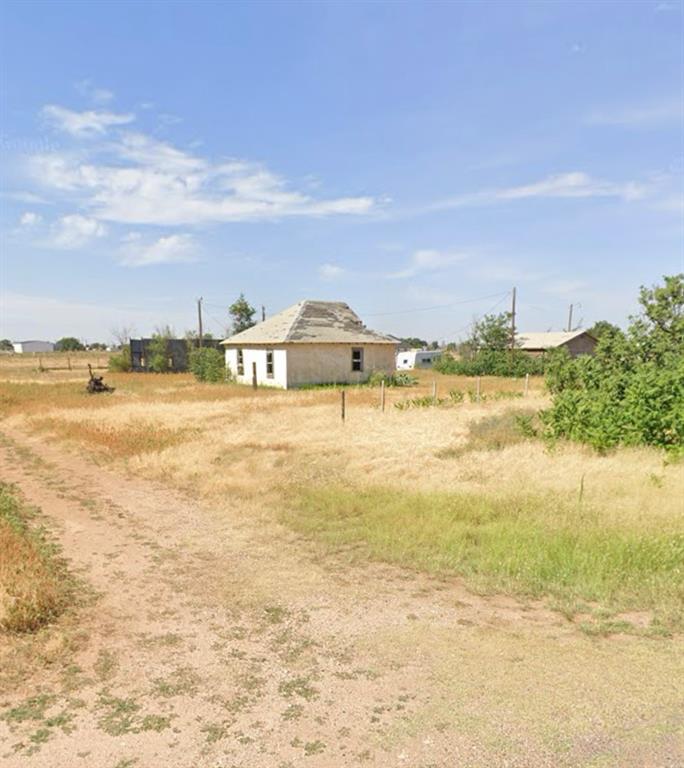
x: 34, y: 583
x: 244, y: 451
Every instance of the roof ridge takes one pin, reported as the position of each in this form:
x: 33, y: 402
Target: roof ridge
x: 295, y: 320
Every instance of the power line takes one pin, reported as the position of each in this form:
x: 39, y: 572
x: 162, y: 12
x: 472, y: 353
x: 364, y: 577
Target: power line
x: 477, y: 317
x: 436, y: 306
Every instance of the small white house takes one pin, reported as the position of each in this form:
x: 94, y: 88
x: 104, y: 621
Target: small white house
x: 25, y: 347
x: 312, y: 342
x: 407, y: 359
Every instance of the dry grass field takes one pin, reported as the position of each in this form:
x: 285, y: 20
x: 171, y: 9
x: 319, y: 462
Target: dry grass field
x: 421, y: 586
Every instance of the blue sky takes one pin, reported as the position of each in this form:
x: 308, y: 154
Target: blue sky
x: 416, y: 160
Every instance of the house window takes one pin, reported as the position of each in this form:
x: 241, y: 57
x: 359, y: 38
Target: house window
x: 357, y: 359
x: 269, y: 363
x: 240, y: 363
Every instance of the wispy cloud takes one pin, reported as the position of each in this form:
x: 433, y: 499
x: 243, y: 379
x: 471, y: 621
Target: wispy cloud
x: 428, y: 260
x: 90, y: 91
x: 172, y: 249
x: 30, y: 219
x: 331, y: 272
x: 639, y: 116
x: 132, y: 178
x: 75, y: 231
x: 49, y: 317
x: 83, y: 124
x: 575, y: 184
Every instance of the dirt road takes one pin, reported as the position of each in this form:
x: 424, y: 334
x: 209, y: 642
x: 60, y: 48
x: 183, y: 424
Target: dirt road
x: 220, y: 639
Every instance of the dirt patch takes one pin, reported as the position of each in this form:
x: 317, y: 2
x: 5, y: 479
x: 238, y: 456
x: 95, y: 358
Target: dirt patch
x: 220, y: 638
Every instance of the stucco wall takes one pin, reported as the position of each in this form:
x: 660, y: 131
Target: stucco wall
x: 297, y: 364
x: 332, y: 363
x: 258, y: 356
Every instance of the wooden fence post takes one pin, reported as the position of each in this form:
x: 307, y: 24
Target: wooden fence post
x: 527, y: 383
x: 477, y: 390
x: 343, y: 403
x: 68, y: 362
x: 254, y: 376
x: 434, y: 389
x: 382, y: 395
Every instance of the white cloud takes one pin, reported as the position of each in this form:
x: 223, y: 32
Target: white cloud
x: 429, y: 260
x: 672, y: 204
x: 74, y: 231
x: 331, y: 272
x: 88, y: 90
x: 30, y: 219
x: 645, y: 115
x: 135, y: 179
x: 574, y: 184
x: 84, y: 124
x: 171, y: 249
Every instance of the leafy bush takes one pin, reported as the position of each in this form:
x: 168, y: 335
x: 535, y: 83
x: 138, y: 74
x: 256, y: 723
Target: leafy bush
x: 492, y: 362
x: 425, y: 401
x: 631, y: 392
x: 400, y: 379
x: 121, y: 362
x: 208, y: 364
x: 159, y: 353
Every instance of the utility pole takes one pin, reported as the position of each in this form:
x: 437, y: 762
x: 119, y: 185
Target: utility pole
x: 199, y: 319
x: 513, y: 321
x: 263, y: 313
x: 570, y: 319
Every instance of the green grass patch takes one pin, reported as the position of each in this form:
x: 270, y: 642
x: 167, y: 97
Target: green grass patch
x: 528, y: 545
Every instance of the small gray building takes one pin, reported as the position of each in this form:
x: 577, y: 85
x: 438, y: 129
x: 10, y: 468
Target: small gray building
x: 311, y: 342
x: 32, y: 346
x: 576, y: 342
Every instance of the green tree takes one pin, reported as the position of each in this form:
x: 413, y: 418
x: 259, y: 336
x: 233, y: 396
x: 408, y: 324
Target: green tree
x: 242, y: 314
x: 492, y: 332
x: 631, y: 391
x: 601, y: 327
x: 6, y: 345
x: 412, y: 342
x: 69, y: 344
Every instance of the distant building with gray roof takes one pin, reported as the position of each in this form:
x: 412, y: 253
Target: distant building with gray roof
x: 576, y: 342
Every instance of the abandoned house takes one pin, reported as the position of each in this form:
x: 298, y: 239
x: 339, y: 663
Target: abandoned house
x: 576, y: 342
x: 312, y: 342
